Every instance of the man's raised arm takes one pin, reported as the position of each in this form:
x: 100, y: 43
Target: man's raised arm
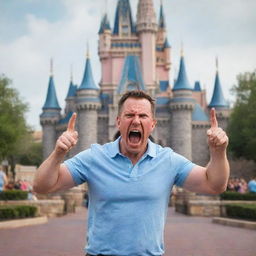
x: 213, y: 178
x: 52, y: 175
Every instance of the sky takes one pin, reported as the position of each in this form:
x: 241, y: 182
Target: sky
x: 34, y: 31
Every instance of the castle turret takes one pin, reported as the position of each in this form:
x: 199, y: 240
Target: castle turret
x: 218, y: 101
x: 104, y: 38
x: 124, y: 26
x: 50, y: 117
x: 87, y: 104
x: 182, y: 106
x: 70, y: 99
x: 163, y: 49
x: 147, y: 29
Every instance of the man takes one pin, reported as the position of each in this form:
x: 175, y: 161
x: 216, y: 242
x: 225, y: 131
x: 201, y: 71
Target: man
x: 3, y: 179
x: 130, y: 179
x: 252, y: 185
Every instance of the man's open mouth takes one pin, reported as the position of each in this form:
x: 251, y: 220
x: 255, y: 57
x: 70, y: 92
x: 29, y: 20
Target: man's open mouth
x: 134, y: 136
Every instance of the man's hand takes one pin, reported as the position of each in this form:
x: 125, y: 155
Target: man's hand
x: 217, y: 138
x: 69, y: 138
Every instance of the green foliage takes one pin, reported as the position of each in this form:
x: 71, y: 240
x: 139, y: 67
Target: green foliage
x: 8, y: 212
x: 32, y: 155
x: 242, y: 124
x: 230, y: 195
x: 13, y: 195
x: 12, y: 121
x: 242, y: 211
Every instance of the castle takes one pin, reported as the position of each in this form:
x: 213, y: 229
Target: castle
x: 135, y: 55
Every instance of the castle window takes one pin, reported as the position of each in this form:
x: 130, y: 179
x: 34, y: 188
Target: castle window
x: 125, y: 30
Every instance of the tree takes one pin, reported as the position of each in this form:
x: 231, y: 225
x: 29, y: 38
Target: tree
x: 242, y: 125
x: 13, y: 128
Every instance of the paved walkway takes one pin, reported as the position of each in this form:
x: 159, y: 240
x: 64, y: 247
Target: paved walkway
x: 185, y: 236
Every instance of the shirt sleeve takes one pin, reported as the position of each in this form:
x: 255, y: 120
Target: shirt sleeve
x: 78, y: 166
x: 183, y: 167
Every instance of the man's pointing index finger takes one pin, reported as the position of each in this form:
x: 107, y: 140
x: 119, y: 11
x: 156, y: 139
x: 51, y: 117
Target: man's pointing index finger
x: 72, y: 123
x: 214, y: 121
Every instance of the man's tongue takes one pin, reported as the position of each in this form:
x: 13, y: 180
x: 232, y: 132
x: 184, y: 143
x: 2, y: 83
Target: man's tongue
x: 134, y: 137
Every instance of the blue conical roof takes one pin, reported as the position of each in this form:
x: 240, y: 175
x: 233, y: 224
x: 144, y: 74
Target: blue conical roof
x: 131, y: 78
x: 182, y: 80
x: 166, y: 43
x: 88, y: 81
x: 218, y: 100
x: 123, y: 15
x: 161, y: 22
x: 197, y: 87
x: 198, y: 114
x: 71, y: 90
x: 105, y: 25
x: 51, y: 101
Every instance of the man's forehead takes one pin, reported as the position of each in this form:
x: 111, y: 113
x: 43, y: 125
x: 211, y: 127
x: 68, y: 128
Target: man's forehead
x: 133, y: 103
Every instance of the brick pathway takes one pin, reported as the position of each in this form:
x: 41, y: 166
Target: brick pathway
x: 185, y: 236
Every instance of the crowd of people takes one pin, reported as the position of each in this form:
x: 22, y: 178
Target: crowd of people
x: 23, y: 185
x: 240, y: 185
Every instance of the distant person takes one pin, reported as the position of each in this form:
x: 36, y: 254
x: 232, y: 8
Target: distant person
x: 3, y: 179
x: 130, y: 179
x: 252, y: 185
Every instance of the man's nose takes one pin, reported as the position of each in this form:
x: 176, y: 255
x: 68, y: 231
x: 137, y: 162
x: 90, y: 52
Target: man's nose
x: 136, y: 119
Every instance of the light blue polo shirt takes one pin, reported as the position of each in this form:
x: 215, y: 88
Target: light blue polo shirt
x: 127, y: 203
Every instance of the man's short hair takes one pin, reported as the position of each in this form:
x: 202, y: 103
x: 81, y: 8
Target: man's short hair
x: 137, y: 94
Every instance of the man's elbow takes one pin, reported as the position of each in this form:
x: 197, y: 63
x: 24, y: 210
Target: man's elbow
x: 39, y: 189
x: 219, y: 190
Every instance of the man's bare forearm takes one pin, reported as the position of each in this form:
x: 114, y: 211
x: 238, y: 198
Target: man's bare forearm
x: 217, y: 171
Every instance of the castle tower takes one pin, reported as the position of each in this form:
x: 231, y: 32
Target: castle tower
x: 218, y: 102
x: 163, y: 50
x: 147, y: 30
x: 50, y: 117
x: 181, y: 106
x: 87, y: 105
x: 70, y: 99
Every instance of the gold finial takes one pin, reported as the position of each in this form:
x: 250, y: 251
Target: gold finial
x: 87, y: 51
x: 51, y: 67
x: 217, y: 64
x: 182, y: 50
x: 71, y: 73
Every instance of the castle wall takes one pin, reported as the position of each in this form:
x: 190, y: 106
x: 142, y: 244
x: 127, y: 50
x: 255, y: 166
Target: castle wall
x: 102, y: 132
x: 49, y: 139
x: 162, y: 136
x: 200, y: 150
x: 87, y: 128
x: 181, y: 132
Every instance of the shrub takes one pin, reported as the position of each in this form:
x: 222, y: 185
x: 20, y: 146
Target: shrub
x: 17, y: 212
x: 13, y: 195
x: 243, y: 211
x: 230, y: 195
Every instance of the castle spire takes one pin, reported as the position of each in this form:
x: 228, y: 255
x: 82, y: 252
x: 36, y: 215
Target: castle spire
x: 123, y: 19
x: 182, y: 82
x: 162, y: 23
x: 146, y: 17
x: 88, y: 80
x: 104, y: 25
x: 218, y: 100
x: 51, y: 101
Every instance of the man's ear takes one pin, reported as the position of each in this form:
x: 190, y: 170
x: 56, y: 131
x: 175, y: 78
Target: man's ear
x: 154, y: 124
x: 117, y: 122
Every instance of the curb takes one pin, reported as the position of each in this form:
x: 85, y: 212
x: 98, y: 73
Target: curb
x: 235, y: 223
x: 23, y: 222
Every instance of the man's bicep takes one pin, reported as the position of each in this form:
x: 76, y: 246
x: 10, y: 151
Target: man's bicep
x: 197, y: 181
x: 65, y: 179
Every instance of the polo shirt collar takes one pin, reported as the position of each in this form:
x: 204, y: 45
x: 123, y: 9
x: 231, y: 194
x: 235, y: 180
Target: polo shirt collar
x: 114, y: 149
